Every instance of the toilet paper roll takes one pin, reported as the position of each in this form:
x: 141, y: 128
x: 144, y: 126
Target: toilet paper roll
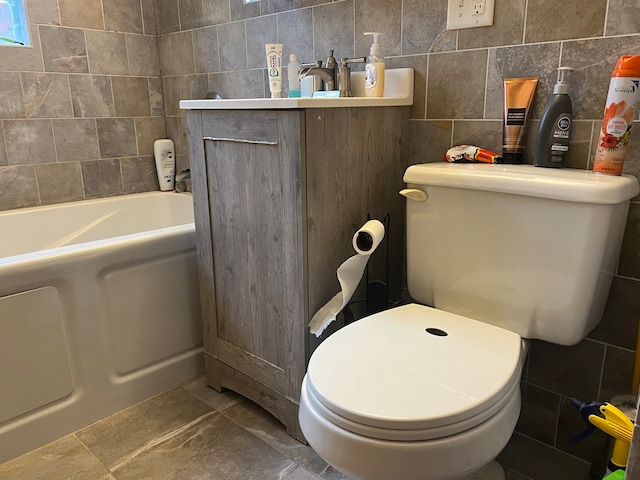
x: 365, y: 241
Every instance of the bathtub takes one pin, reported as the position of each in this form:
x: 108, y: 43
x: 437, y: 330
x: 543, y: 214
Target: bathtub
x: 99, y: 309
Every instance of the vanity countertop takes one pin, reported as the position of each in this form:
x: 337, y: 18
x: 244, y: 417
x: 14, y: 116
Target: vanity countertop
x: 398, y: 92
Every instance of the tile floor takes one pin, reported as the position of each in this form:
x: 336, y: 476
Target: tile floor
x: 187, y: 433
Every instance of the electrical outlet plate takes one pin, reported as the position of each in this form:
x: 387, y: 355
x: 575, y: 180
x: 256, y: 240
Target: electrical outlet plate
x: 469, y: 14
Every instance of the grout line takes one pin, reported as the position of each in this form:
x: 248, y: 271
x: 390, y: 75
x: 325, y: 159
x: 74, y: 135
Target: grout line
x: 401, y: 27
x: 604, y: 359
x: 88, y: 450
x: 486, y: 83
x: 524, y: 22
x: 167, y: 436
x: 426, y: 84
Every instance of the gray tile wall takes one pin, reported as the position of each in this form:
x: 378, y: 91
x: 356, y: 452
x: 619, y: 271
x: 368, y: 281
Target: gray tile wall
x: 81, y: 107
x: 90, y: 102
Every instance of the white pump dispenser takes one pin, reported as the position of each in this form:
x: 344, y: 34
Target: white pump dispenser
x: 374, y: 70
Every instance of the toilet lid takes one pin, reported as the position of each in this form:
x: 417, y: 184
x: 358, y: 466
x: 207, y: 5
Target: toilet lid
x: 415, y: 368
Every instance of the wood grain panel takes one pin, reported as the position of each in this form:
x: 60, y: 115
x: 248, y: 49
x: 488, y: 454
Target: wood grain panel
x: 255, y: 227
x: 282, y: 408
x: 236, y: 125
x: 278, y: 196
x: 354, y: 168
x: 202, y: 221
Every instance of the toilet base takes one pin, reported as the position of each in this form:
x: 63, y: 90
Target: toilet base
x: 492, y: 471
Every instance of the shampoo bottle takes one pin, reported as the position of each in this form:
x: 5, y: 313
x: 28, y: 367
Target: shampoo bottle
x: 164, y: 153
x: 374, y: 70
x: 293, y: 70
x: 619, y: 113
x: 554, y: 131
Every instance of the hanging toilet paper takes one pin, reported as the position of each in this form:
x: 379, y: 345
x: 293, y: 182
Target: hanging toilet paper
x: 365, y: 241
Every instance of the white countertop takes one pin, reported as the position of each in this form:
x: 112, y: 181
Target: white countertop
x: 398, y: 92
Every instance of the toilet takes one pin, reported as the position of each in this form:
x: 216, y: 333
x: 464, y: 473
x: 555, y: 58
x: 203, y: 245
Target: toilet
x: 496, y: 255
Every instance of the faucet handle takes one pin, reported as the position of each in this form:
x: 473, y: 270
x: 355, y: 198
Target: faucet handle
x: 331, y: 61
x: 317, y: 63
x: 344, y: 75
x: 344, y: 60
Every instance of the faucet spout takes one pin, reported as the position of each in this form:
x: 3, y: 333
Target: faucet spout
x: 327, y: 75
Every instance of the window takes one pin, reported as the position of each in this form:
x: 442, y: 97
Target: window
x: 14, y: 29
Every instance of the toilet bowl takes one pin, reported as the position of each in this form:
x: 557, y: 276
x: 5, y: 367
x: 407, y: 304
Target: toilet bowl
x: 500, y: 251
x: 412, y: 393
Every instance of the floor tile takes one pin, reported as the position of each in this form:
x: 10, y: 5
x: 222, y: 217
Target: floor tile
x: 319, y: 467
x: 301, y: 474
x: 513, y: 475
x: 218, y: 400
x: 120, y: 436
x: 541, y: 462
x: 214, y: 448
x: 63, y: 459
x: 264, y: 426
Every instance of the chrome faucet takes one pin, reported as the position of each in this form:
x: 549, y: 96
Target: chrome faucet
x: 327, y: 73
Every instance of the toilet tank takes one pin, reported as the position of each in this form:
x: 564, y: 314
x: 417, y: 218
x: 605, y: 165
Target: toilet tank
x: 529, y: 249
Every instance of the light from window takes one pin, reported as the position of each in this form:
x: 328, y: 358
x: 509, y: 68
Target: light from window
x: 14, y: 29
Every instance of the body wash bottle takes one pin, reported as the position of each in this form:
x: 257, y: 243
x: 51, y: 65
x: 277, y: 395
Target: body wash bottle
x: 374, y: 70
x: 164, y: 153
x: 552, y: 143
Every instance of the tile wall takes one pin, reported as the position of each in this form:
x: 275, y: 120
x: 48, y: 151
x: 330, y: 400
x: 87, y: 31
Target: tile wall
x: 81, y: 107
x: 96, y: 80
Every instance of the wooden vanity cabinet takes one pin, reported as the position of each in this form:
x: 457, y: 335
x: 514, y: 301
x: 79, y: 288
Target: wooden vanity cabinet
x: 278, y: 195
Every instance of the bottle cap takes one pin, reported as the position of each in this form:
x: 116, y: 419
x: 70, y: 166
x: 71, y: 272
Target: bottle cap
x: 376, y: 48
x: 627, y: 66
x: 293, y: 57
x: 562, y: 86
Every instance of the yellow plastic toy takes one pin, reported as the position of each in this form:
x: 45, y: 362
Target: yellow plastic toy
x: 612, y: 421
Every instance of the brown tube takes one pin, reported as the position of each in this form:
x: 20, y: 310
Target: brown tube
x: 518, y: 96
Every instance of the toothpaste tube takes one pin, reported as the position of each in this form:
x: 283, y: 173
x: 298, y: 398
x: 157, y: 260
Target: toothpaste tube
x: 469, y: 153
x: 274, y: 68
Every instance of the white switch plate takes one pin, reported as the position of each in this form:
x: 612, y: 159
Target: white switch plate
x: 469, y: 14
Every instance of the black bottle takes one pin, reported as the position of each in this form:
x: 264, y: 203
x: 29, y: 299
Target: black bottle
x: 552, y: 143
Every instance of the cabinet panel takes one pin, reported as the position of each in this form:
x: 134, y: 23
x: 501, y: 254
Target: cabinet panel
x: 354, y: 168
x: 255, y: 203
x: 258, y: 127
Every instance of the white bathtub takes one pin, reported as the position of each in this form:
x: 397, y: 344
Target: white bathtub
x: 99, y: 309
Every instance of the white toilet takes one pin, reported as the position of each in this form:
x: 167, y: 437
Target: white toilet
x: 502, y: 253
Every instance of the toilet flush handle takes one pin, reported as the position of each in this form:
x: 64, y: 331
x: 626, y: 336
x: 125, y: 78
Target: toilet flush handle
x: 414, y: 194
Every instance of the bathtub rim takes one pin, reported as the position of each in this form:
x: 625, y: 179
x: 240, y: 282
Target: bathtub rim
x: 94, y: 245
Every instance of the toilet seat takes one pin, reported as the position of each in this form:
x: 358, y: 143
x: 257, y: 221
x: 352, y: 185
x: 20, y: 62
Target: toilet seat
x: 372, y: 377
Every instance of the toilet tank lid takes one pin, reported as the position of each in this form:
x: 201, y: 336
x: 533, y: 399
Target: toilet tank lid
x: 567, y: 184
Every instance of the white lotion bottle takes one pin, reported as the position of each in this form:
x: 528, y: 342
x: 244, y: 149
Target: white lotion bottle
x: 374, y: 70
x: 164, y: 153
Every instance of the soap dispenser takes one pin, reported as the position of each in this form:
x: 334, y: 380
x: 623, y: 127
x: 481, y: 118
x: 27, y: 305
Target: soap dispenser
x: 552, y: 143
x: 374, y: 70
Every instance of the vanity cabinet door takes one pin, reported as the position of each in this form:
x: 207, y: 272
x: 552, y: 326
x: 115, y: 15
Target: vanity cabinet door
x: 251, y: 248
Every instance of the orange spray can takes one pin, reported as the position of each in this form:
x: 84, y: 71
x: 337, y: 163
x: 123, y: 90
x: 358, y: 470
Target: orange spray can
x: 619, y: 112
